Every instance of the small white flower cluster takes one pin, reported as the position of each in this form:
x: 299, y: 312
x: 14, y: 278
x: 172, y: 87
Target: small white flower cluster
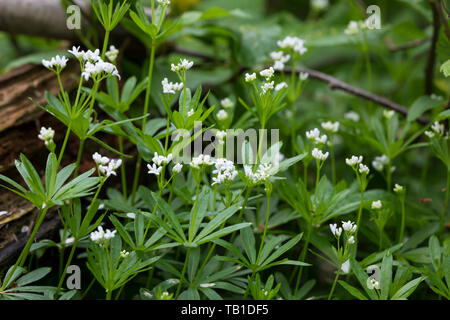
x: 56, y: 62
x: 225, y: 171
x: 294, y: 43
x: 352, y: 115
x: 379, y: 162
x: 398, y: 188
x: 250, y: 77
x: 348, y: 227
x: 222, y: 115
x: 437, y: 129
x: 226, y: 103
x: 183, y: 65
x: 280, y: 86
x: 163, y: 2
x: 200, y: 160
x: 177, y: 168
x: 101, y: 236
x: 319, y: 4
x: 356, y: 162
x: 94, y: 66
x: 376, y: 204
x: 319, y: 155
x: 267, y: 86
x: 171, y: 87
x: 373, y: 284
x: 220, y: 135
x: 262, y: 173
x: 330, y: 126
x: 315, y: 137
x: 112, y: 53
x: 267, y: 73
x: 354, y: 27
x: 46, y: 135
x: 159, y: 162
x: 124, y: 254
x: 279, y: 59
x: 106, y: 166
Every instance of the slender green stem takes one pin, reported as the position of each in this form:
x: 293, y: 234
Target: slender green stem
x: 380, y: 240
x: 63, y: 148
x: 317, y: 181
x: 334, y: 283
x: 79, y: 156
x: 87, y: 289
x: 241, y: 213
x: 23, y: 255
x: 144, y: 121
x: 105, y: 44
x: 265, y: 229
x: 248, y: 285
x: 389, y: 177
x: 333, y: 165
x: 445, y: 205
x: 302, y: 257
x: 69, y: 260
x: 122, y: 170
x: 183, y: 272
x: 402, y: 223
x: 191, y: 232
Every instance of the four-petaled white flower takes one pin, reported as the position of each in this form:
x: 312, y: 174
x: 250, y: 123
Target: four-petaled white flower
x: 183, y: 65
x: 354, y: 160
x: 177, y: 168
x: 398, y: 188
x: 190, y: 113
x: 379, y: 162
x: 226, y: 103
x: 376, y: 204
x: 250, y: 77
x: 293, y: 43
x: 352, y: 115
x: 335, y: 230
x: 222, y: 115
x: 267, y: 73
x: 349, y: 227
x: 363, y: 169
x: 171, y: 87
x: 57, y: 62
x: 315, y: 137
x: 101, y: 236
x: 319, y: 155
x: 154, y: 169
x: 112, y: 53
x: 280, y: 86
x: 330, y: 126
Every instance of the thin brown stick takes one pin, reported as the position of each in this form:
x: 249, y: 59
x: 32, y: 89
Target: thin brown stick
x: 336, y: 84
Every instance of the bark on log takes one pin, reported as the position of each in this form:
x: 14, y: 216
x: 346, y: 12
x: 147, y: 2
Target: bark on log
x: 38, y: 18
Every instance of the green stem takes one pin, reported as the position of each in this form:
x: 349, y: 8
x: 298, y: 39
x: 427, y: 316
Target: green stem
x: 144, y: 121
x: 334, y: 283
x: 79, y: 155
x: 302, y: 257
x: 191, y: 233
x: 122, y: 170
x: 105, y: 44
x: 63, y: 275
x: 63, y: 148
x: 23, y: 255
x: 402, y: 223
x: 265, y: 229
x: 333, y: 165
x: 183, y: 272
x: 445, y: 206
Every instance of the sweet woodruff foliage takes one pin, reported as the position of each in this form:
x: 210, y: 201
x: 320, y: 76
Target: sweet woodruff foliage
x: 329, y: 211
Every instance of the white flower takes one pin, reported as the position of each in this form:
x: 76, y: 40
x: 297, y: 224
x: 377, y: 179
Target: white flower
x: 373, y: 284
x: 46, y: 135
x: 438, y: 128
x: 335, y: 230
x: 190, y: 113
x: 388, y: 113
x: 162, y: 159
x: 398, y: 188
x: 346, y: 267
x: 202, y: 159
x: 112, y: 53
x: 351, y: 240
x: 250, y: 77
x: 352, y: 116
x: 303, y: 76
x: 352, y: 28
x: 293, y: 43
x: 153, y: 169
x: 222, y: 115
x: 429, y: 134
x: 226, y: 103
x: 207, y: 285
x: 319, y: 155
x: 319, y: 4
x: 280, y: 86
x: 280, y: 59
x: 267, y: 73
x: 163, y: 2
x: 376, y: 204
x: 314, y: 136
x: 101, y: 236
x: 177, y: 168
x: 379, y: 162
x: 124, y: 254
x: 76, y: 52
x: 99, y: 159
x: 354, y: 160
x: 99, y: 70
x: 58, y: 62
x: 69, y: 240
x: 363, y: 169
x: 91, y: 56
x: 267, y: 86
x: 225, y: 171
x: 110, y: 169
x: 349, y: 226
x: 25, y: 229
x: 330, y: 126
x: 171, y: 87
x: 183, y: 65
